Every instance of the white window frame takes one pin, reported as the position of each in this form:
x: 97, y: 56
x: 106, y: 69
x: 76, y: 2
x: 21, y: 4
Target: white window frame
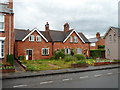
x: 31, y: 38
x: 38, y: 38
x: 80, y: 50
x: 71, y: 39
x: 67, y: 51
x: 2, y: 21
x: 93, y: 44
x: 1, y: 49
x: 44, y: 53
x: 75, y: 39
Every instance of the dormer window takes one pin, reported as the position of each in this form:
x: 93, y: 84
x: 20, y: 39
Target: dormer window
x: 71, y: 39
x: 38, y: 38
x: 1, y: 22
x: 75, y: 39
x: 31, y: 38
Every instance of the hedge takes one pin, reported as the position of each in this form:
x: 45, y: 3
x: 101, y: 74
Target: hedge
x: 96, y: 53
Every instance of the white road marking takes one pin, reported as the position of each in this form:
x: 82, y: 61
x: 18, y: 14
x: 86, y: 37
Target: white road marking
x: 98, y: 75
x: 84, y: 77
x: 67, y: 79
x: 109, y: 73
x: 19, y: 86
x: 46, y: 82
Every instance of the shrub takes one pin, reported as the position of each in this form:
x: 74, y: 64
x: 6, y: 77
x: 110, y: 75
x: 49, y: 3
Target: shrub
x: 81, y: 61
x: 10, y: 59
x: 21, y: 58
x: 59, y: 54
x: 96, y: 53
x: 24, y: 61
x: 70, y: 58
x: 79, y: 56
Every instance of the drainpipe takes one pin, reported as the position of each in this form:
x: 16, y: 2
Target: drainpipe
x: 9, y: 35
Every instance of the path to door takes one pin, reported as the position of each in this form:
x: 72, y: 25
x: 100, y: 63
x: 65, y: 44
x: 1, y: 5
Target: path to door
x: 18, y: 67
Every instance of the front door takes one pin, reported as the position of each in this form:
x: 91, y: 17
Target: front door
x: 29, y: 54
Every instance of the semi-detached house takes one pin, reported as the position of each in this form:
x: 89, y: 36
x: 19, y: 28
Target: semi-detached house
x: 36, y: 44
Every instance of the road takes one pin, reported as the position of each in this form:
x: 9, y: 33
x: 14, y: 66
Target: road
x: 92, y: 79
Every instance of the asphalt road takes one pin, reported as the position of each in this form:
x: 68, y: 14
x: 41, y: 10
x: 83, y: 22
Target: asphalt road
x: 92, y: 79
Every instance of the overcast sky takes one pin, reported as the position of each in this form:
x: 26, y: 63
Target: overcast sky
x: 87, y: 16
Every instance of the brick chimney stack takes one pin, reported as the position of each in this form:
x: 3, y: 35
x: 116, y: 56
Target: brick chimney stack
x: 97, y: 35
x: 10, y: 4
x: 46, y: 26
x: 66, y: 27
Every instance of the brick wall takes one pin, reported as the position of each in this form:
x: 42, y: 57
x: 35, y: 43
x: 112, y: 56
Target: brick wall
x: 35, y: 46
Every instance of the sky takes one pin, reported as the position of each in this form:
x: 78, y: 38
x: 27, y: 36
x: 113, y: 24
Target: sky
x: 86, y: 16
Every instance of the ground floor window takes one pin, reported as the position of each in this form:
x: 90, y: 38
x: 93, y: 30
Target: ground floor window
x: 108, y: 52
x: 45, y: 51
x: 67, y: 51
x: 79, y: 51
x: 1, y: 49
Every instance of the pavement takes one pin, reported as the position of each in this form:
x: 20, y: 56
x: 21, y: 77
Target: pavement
x: 26, y: 74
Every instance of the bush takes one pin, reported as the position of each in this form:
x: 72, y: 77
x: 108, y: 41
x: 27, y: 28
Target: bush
x: 96, y: 53
x: 81, y: 61
x: 59, y: 54
x: 70, y: 58
x: 24, y: 61
x: 79, y: 56
x: 10, y: 59
x: 21, y: 58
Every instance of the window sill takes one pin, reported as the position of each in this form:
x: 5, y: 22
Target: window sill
x: 45, y: 55
x: 1, y: 57
x: 2, y: 31
x: 73, y: 42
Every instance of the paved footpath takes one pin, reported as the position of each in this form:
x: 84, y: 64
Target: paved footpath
x: 26, y: 74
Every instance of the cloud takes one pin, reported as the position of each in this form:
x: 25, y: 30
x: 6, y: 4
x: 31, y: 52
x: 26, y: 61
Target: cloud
x: 87, y: 16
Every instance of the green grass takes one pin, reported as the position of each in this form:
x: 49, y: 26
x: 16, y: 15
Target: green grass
x: 47, y: 64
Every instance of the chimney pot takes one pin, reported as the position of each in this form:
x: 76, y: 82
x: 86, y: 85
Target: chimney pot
x: 47, y: 26
x: 66, y: 27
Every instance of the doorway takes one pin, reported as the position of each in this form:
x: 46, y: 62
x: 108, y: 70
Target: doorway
x: 29, y: 54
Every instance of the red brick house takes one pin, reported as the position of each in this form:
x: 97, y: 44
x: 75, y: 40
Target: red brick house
x: 6, y: 29
x: 96, y: 41
x: 37, y: 44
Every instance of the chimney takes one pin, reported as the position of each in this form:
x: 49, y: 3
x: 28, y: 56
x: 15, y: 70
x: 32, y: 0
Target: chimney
x: 10, y: 4
x: 97, y: 35
x: 47, y: 27
x: 66, y: 27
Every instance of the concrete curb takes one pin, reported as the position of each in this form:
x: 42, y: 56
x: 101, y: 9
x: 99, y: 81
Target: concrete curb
x: 60, y: 72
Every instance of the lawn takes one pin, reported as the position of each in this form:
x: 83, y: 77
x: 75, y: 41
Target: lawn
x: 47, y: 64
x: 38, y: 65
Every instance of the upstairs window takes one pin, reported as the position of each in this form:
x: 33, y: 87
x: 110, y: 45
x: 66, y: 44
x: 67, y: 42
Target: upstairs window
x: 31, y: 38
x: 75, y: 39
x: 1, y: 22
x: 71, y: 39
x: 114, y: 37
x: 110, y: 38
x: 38, y: 38
x: 45, y: 51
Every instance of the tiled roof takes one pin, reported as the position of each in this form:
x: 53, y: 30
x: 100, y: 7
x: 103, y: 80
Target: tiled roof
x: 93, y: 40
x: 51, y: 35
x: 117, y: 30
x: 83, y: 37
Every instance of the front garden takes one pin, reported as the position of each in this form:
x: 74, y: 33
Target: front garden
x: 62, y: 61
